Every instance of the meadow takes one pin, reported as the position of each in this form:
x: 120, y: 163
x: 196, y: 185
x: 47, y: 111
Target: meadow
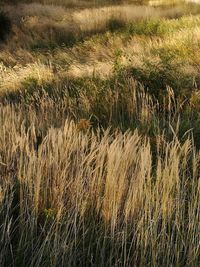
x: 99, y: 133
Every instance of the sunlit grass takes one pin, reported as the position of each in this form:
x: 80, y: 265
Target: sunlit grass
x: 99, y: 136
x: 75, y: 189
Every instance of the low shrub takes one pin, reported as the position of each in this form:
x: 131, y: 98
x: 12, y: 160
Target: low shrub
x: 5, y: 26
x: 115, y: 24
x: 146, y: 27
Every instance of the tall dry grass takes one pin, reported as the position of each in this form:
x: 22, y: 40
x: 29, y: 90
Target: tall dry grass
x: 70, y: 196
x: 75, y: 190
x: 39, y: 26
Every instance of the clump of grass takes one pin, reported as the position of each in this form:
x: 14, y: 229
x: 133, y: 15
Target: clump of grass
x: 83, y: 195
x: 158, y: 75
x: 146, y: 27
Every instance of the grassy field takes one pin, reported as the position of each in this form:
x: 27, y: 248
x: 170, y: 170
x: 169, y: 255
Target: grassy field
x: 99, y: 134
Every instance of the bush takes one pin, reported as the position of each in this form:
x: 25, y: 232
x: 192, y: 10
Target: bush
x: 115, y: 24
x: 5, y: 26
x: 146, y: 27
